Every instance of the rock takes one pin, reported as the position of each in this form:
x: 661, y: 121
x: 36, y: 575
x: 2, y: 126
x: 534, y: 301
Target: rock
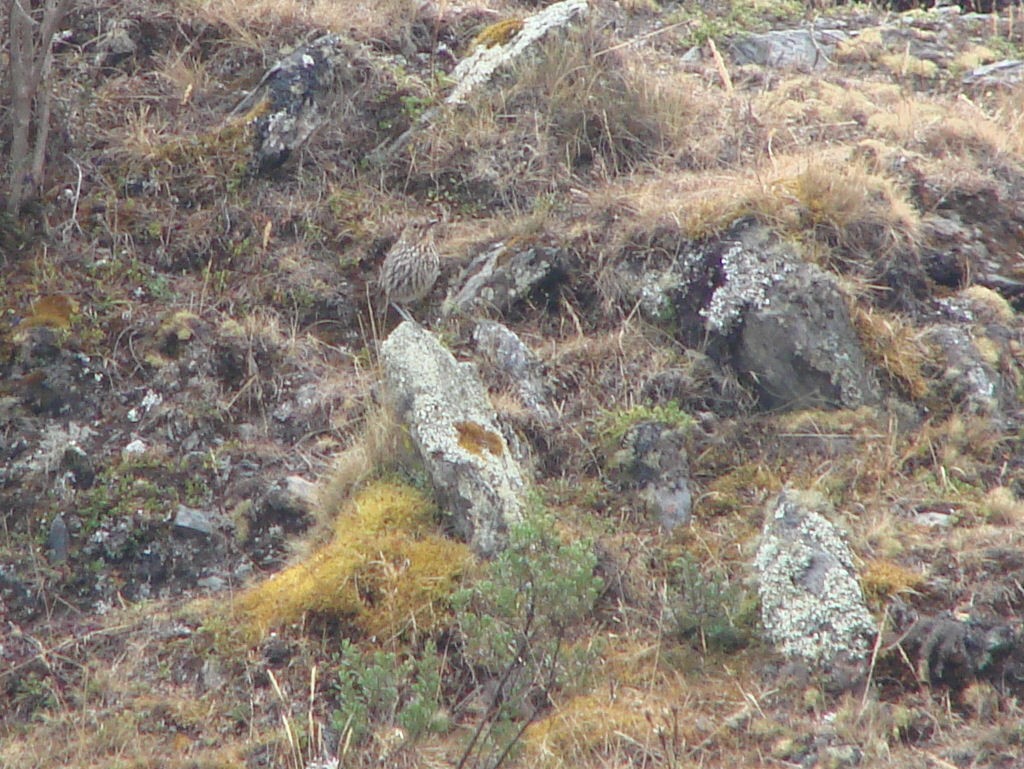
x: 803, y: 49
x: 973, y: 239
x: 840, y: 757
x: 787, y: 325
x: 500, y: 278
x: 452, y: 426
x: 934, y: 520
x: 812, y: 606
x: 950, y: 652
x: 298, y: 95
x: 967, y: 379
x: 58, y: 541
x: 285, y: 507
x: 481, y: 65
x: 653, y: 460
x: 117, y: 44
x: 519, y: 368
x: 192, y: 520
x: 1007, y: 73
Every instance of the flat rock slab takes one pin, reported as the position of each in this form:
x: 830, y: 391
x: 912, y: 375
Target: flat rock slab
x: 803, y: 49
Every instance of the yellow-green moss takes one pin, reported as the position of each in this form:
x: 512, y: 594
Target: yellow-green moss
x: 989, y: 304
x: 864, y: 47
x: 387, y: 567
x: 973, y: 56
x: 903, y: 65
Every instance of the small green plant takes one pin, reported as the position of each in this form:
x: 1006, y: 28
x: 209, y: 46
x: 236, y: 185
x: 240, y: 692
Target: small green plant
x: 514, y: 624
x: 377, y: 689
x: 711, y: 609
x: 615, y: 424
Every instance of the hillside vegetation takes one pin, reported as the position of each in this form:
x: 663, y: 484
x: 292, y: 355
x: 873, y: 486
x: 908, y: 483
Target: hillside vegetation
x: 219, y: 548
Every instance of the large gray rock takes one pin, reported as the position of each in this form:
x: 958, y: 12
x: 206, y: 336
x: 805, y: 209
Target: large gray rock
x: 750, y: 300
x: 501, y: 277
x: 453, y: 428
x: 966, y: 377
x: 812, y: 606
x: 1007, y: 73
x: 788, y: 326
x: 481, y: 65
x: 519, y: 369
x: 804, y: 49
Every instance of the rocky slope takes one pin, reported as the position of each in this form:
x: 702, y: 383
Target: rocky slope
x: 743, y: 281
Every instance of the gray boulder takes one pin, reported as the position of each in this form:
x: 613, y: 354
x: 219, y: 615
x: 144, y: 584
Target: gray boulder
x: 453, y: 428
x: 1007, y: 73
x: 812, y: 606
x: 518, y: 367
x: 803, y: 49
x: 787, y: 326
x: 965, y: 377
x: 501, y: 277
x: 486, y: 60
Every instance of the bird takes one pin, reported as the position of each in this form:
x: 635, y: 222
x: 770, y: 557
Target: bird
x: 411, y: 266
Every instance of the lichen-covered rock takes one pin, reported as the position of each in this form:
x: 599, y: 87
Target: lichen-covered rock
x: 812, y: 606
x: 452, y: 426
x: 1006, y: 73
x: 804, y: 49
x: 975, y: 353
x: 501, y: 277
x: 519, y: 368
x: 653, y: 461
x: 965, y: 376
x: 298, y: 95
x: 788, y: 326
x: 480, y: 66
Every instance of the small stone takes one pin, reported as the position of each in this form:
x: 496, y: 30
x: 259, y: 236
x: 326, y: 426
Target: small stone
x: 191, y: 519
x: 58, y: 541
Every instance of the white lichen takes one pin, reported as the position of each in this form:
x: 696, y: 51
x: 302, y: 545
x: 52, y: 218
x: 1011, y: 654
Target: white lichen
x: 480, y: 66
x: 812, y: 605
x: 749, y: 276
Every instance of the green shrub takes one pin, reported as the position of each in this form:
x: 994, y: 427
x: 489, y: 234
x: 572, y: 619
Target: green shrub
x: 712, y: 609
x: 377, y: 689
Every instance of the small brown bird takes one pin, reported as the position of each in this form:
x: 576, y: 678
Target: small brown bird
x: 411, y: 266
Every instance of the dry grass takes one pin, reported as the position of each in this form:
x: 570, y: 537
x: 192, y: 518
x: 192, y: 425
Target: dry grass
x: 897, y: 348
x: 621, y: 154
x: 388, y: 19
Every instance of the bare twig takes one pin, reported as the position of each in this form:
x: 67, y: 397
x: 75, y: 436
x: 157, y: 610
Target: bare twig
x: 31, y: 59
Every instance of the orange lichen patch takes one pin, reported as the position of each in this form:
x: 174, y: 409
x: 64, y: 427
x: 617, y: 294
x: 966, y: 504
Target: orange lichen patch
x: 387, y: 568
x: 476, y: 439
x: 497, y: 34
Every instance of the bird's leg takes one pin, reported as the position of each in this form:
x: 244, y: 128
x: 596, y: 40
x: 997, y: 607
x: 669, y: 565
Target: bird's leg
x: 403, y: 312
